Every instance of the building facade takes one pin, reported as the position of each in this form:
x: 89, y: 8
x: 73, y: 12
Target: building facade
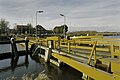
x: 40, y: 30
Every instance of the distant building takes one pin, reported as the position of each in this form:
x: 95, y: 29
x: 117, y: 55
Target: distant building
x: 22, y: 29
x: 26, y: 29
x: 41, y: 30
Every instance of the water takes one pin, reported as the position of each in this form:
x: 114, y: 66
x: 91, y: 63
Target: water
x: 28, y: 69
x: 7, y: 48
x: 112, y: 36
x: 4, y: 48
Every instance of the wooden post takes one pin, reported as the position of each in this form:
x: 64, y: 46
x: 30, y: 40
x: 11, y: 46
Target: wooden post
x: 26, y: 60
x: 26, y: 44
x: 14, y: 48
x: 26, y: 48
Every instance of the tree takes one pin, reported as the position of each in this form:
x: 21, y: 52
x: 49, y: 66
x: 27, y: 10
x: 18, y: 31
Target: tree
x: 30, y: 27
x: 66, y: 28
x: 59, y: 29
x: 3, y: 26
x: 56, y: 29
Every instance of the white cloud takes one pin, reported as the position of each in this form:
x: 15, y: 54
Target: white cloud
x: 78, y: 13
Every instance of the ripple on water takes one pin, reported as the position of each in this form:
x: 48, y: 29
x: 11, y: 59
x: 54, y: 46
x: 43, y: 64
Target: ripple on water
x: 41, y: 76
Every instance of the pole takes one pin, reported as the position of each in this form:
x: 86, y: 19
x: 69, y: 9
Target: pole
x: 36, y: 21
x: 64, y: 33
x: 36, y: 24
x: 21, y: 29
x: 64, y: 28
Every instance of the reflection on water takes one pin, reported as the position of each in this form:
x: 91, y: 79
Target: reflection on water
x: 20, y: 67
x: 14, y: 62
x: 25, y: 68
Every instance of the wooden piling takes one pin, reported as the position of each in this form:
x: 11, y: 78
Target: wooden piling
x: 26, y: 44
x: 14, y: 48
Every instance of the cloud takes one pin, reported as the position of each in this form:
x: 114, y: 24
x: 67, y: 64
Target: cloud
x: 78, y: 12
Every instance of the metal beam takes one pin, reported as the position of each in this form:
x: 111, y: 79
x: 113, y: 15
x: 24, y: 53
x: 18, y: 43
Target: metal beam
x: 86, y: 69
x: 87, y: 48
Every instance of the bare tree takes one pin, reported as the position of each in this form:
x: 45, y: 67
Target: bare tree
x: 4, y: 25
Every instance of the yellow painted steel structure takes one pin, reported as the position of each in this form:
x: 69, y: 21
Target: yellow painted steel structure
x: 86, y: 37
x: 93, y: 52
x: 111, y: 45
x: 68, y: 47
x: 87, y: 48
x: 86, y: 69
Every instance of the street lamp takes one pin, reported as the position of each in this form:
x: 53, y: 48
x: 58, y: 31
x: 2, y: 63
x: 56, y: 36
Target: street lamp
x: 36, y: 20
x: 64, y: 25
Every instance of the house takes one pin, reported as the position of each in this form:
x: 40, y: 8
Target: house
x: 40, y: 30
x: 22, y: 29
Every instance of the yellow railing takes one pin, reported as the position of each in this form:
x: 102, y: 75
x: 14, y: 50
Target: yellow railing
x: 110, y: 45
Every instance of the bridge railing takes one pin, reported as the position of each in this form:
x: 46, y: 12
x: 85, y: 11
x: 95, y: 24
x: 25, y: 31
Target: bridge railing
x: 99, y: 69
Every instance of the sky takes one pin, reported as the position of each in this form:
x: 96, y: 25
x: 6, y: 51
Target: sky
x: 98, y: 15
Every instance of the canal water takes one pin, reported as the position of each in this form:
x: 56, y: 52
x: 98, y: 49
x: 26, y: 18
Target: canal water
x: 28, y: 69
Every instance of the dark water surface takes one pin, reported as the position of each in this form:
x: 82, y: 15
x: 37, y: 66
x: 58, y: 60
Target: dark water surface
x: 112, y: 36
x: 28, y: 69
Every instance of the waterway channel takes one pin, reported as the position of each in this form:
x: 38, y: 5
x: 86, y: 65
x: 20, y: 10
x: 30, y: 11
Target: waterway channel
x: 29, y: 69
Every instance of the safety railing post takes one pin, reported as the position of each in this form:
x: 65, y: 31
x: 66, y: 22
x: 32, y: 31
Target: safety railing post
x: 54, y: 44
x: 68, y: 47
x: 93, y: 52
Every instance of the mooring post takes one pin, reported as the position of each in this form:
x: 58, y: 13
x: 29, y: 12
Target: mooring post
x: 15, y: 55
x: 14, y: 48
x: 26, y: 44
x: 26, y: 60
x: 26, y: 48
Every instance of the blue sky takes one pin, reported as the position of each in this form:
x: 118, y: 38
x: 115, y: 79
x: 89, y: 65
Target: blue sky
x: 99, y: 15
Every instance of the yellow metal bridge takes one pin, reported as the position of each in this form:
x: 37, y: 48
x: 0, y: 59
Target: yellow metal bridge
x: 98, y: 58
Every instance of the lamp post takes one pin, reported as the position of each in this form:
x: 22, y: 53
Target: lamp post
x: 64, y: 25
x: 36, y: 20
